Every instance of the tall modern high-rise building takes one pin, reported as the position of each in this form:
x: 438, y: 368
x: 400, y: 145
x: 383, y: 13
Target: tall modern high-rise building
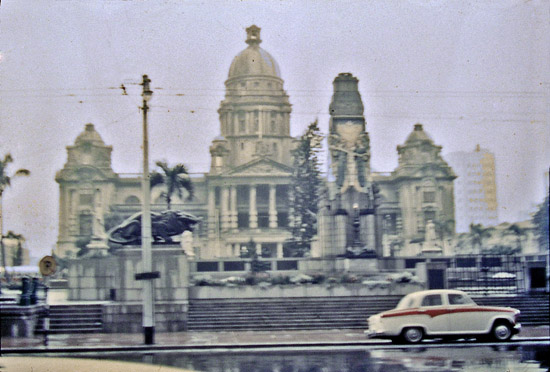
x: 475, y: 188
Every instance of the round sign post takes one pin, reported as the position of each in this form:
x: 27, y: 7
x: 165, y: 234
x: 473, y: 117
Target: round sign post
x: 47, y: 266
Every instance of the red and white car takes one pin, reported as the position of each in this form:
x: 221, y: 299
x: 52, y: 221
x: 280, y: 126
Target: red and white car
x: 443, y: 314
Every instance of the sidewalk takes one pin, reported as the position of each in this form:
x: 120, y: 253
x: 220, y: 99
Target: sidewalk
x: 204, y: 340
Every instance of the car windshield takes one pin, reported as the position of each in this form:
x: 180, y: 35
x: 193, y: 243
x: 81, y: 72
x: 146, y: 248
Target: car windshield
x: 406, y: 302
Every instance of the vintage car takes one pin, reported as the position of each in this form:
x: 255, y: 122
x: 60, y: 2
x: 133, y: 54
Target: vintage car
x: 448, y: 314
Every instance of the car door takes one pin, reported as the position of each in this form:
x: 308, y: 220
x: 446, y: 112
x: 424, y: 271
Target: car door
x: 434, y: 309
x: 463, y: 314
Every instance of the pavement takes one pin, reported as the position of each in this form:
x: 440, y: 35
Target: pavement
x: 211, y: 340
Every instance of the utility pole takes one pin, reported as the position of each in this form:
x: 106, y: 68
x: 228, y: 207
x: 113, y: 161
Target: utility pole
x: 146, y: 235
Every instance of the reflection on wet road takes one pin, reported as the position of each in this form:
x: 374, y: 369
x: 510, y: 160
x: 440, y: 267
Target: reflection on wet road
x: 525, y: 358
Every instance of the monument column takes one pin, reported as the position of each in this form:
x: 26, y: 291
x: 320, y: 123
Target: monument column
x: 253, y: 212
x: 225, y: 208
x: 272, y: 207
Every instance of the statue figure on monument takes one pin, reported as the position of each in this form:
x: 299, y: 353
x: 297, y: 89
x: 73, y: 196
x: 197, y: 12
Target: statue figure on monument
x: 350, y: 152
x: 431, y: 243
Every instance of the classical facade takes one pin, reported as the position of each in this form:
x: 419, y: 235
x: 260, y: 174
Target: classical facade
x: 243, y: 200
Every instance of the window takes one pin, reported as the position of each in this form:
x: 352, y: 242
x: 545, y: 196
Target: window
x: 85, y: 224
x: 458, y: 299
x: 256, y: 121
x: 85, y: 199
x: 432, y: 300
x: 132, y: 199
x: 429, y: 197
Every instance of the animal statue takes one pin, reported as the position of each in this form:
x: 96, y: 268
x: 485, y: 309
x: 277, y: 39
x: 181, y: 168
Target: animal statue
x: 163, y: 226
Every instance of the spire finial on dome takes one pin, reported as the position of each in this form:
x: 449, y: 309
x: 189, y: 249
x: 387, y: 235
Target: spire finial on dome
x: 253, y: 35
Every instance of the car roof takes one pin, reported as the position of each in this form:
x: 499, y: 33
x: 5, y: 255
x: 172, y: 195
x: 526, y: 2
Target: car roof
x: 436, y: 291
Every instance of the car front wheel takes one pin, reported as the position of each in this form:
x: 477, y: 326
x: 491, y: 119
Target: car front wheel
x: 413, y: 335
x: 501, y: 331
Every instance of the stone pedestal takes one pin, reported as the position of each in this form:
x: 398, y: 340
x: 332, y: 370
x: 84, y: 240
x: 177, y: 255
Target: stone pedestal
x: 19, y: 321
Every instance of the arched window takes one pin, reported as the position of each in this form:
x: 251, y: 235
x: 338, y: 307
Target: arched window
x: 132, y: 199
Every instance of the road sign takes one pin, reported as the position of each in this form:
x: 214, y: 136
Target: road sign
x: 47, y: 265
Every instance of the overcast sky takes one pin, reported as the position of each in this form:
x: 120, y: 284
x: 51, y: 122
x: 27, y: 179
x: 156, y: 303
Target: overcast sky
x: 473, y: 72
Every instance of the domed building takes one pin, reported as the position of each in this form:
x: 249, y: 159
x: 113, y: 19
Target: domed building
x: 243, y: 201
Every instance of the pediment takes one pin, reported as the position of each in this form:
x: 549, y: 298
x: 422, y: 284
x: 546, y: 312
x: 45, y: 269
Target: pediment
x: 260, y: 167
x: 84, y: 173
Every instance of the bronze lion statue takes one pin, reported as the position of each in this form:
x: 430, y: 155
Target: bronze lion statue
x: 163, y: 226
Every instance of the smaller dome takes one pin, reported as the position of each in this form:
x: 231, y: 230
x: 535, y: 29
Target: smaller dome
x: 254, y: 60
x: 418, y: 135
x: 89, y: 136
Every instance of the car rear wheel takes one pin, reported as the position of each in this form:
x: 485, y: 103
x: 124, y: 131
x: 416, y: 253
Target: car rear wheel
x: 413, y: 335
x: 501, y: 331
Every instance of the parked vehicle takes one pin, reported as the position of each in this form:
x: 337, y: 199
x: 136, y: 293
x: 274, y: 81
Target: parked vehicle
x: 448, y: 314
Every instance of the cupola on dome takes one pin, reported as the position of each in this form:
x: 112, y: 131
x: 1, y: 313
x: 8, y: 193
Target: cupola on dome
x: 89, y: 135
x: 254, y: 61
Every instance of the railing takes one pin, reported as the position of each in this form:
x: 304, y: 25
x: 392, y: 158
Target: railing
x: 242, y: 265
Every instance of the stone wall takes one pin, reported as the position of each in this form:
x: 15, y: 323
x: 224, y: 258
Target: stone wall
x: 113, y: 277
x: 127, y: 317
x: 303, y: 290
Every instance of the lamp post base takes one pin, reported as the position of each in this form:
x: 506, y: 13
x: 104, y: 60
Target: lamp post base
x: 149, y: 335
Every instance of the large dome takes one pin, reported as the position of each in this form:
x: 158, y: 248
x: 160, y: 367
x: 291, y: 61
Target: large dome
x: 254, y: 60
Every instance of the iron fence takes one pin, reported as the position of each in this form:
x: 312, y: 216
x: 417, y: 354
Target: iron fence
x: 486, y: 274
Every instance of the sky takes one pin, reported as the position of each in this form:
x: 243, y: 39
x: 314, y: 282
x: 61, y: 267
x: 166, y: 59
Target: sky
x: 472, y: 72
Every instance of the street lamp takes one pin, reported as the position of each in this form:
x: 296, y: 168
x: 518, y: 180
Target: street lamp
x: 148, y: 308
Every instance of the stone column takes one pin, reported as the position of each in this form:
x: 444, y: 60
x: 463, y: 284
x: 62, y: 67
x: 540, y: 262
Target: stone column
x: 272, y: 207
x: 259, y: 249
x: 225, y: 208
x: 211, y: 213
x: 371, y: 238
x: 279, y: 250
x: 340, y: 234
x: 253, y: 212
x: 233, y: 208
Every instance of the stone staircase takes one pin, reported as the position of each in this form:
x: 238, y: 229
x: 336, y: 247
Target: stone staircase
x: 81, y: 318
x: 535, y: 308
x: 285, y: 313
x: 327, y: 313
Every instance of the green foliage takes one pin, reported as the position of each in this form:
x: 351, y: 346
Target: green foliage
x: 541, y: 222
x: 175, y: 179
x: 306, y: 188
x: 477, y: 234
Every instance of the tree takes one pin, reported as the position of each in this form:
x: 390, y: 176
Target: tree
x: 541, y: 222
x: 477, y: 234
x: 519, y: 232
x: 5, y: 181
x: 306, y: 187
x: 175, y: 180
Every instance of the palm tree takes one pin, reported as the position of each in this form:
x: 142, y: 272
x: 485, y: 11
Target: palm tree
x: 5, y: 181
x: 477, y: 234
x: 175, y: 179
x: 519, y: 232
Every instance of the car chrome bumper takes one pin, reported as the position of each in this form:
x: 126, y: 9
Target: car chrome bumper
x: 371, y: 333
x: 516, y: 329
